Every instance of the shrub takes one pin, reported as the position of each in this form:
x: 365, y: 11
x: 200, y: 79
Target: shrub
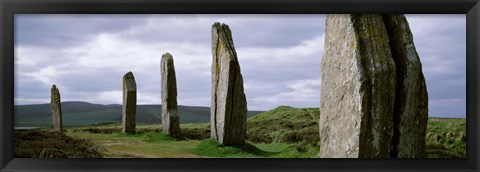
x: 195, y: 133
x: 44, y: 144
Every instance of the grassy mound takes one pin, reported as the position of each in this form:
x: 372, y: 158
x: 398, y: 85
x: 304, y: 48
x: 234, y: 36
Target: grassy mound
x: 212, y: 148
x: 45, y: 144
x: 285, y: 124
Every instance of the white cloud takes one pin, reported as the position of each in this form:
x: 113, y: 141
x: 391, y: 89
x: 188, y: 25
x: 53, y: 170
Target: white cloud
x: 305, y: 51
x: 304, y: 91
x: 114, y: 96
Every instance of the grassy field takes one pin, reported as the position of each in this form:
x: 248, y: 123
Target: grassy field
x: 283, y: 132
x: 446, y: 137
x: 148, y: 142
x: 139, y: 145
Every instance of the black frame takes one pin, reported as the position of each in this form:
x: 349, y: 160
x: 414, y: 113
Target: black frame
x: 8, y: 8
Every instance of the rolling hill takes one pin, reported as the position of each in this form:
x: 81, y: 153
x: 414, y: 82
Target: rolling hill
x: 84, y: 113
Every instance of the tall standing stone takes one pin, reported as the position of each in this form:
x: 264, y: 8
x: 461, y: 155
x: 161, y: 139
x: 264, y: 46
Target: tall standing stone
x: 374, y: 101
x: 170, y: 118
x: 229, y: 105
x: 56, y: 107
x: 357, y: 91
x: 129, y: 107
x: 411, y: 104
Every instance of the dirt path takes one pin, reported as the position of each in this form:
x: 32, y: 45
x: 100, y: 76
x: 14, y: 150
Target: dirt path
x: 114, y: 146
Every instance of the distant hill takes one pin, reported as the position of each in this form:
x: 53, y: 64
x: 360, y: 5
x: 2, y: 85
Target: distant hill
x: 83, y: 113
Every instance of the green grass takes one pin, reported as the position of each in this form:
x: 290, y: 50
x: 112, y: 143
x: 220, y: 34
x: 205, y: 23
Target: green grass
x: 446, y: 138
x: 146, y: 144
x: 212, y: 148
x: 283, y: 132
x: 286, y: 150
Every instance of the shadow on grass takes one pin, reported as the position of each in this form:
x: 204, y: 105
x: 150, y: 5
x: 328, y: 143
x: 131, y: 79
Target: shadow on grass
x: 212, y: 148
x: 438, y: 151
x: 256, y: 151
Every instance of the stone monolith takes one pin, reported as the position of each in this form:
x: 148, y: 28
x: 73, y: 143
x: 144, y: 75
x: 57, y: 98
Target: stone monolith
x: 358, y: 88
x: 129, y: 106
x: 229, y: 105
x: 374, y: 100
x: 411, y: 100
x: 56, y: 107
x: 170, y: 118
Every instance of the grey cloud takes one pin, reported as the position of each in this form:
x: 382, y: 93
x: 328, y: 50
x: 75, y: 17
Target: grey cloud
x: 254, y: 31
x: 275, y: 73
x: 95, y: 81
x: 453, y: 88
x: 60, y: 30
x: 31, y: 89
x: 278, y: 31
x: 441, y: 44
x: 448, y: 108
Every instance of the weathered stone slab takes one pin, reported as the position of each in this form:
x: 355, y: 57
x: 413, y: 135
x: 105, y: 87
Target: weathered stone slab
x: 357, y: 91
x: 411, y: 100
x: 56, y: 107
x: 170, y: 118
x: 229, y: 104
x: 129, y: 106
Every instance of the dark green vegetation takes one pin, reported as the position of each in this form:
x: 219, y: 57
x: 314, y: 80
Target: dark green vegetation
x: 83, y: 113
x: 39, y: 143
x: 446, y: 138
x: 198, y: 133
x: 212, y: 148
x: 285, y: 124
x: 283, y: 132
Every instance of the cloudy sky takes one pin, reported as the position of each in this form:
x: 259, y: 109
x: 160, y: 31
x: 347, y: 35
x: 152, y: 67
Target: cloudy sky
x: 87, y: 55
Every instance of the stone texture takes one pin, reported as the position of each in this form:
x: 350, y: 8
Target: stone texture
x: 56, y: 107
x: 229, y: 104
x: 357, y: 91
x: 411, y: 104
x: 129, y: 106
x: 170, y: 118
x: 374, y: 100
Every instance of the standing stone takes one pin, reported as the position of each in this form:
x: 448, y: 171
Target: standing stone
x: 129, y: 107
x: 170, y: 118
x: 357, y: 91
x: 411, y: 102
x: 56, y: 107
x: 229, y: 106
x: 374, y: 100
